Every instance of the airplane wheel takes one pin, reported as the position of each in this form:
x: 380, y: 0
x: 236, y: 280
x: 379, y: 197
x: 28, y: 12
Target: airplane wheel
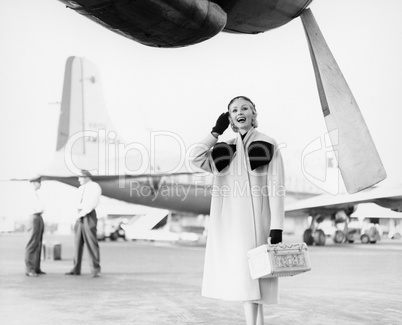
x: 319, y: 237
x: 114, y: 236
x: 307, y: 237
x: 339, y: 237
x: 365, y: 239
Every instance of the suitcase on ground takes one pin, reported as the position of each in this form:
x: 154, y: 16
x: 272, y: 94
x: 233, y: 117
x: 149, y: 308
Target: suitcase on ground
x: 51, y: 251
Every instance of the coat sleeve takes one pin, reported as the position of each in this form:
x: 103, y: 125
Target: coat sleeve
x: 202, y: 154
x: 276, y: 181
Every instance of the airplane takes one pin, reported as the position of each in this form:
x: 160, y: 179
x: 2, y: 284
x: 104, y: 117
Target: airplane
x: 152, y: 177
x: 178, y: 23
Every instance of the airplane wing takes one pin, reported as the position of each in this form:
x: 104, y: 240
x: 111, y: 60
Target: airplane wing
x: 326, y: 204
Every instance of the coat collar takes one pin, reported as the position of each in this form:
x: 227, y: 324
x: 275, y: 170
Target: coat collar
x: 247, y: 137
x: 258, y: 147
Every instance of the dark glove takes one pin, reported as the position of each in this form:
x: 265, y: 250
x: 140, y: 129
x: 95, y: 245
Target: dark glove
x: 276, y: 236
x: 222, y: 123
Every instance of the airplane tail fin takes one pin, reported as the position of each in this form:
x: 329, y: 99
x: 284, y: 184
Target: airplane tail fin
x: 85, y: 130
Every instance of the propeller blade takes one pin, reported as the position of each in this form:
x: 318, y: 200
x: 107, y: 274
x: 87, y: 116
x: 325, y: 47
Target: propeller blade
x: 358, y: 159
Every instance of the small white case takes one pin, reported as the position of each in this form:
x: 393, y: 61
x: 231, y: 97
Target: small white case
x: 267, y: 261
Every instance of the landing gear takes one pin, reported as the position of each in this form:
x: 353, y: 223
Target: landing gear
x: 339, y: 237
x: 308, y: 237
x: 343, y: 234
x: 319, y: 238
x: 346, y: 235
x: 313, y: 235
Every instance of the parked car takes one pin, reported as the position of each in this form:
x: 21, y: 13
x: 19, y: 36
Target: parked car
x: 357, y: 230
x: 367, y: 234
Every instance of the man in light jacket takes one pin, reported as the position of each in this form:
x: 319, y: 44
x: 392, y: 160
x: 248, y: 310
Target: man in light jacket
x: 85, y: 226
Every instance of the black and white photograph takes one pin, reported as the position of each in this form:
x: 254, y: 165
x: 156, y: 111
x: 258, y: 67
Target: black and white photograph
x: 221, y: 162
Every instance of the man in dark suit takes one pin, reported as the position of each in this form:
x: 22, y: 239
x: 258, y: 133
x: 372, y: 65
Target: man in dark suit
x: 36, y: 228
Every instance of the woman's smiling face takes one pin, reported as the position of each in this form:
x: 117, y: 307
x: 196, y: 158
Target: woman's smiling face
x: 241, y: 114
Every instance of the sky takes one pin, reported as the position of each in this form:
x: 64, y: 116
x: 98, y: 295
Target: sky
x: 184, y: 90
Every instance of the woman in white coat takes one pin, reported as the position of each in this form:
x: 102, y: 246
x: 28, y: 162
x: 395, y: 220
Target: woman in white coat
x: 247, y: 207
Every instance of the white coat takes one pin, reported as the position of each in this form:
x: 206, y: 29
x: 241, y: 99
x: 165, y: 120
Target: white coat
x: 246, y: 204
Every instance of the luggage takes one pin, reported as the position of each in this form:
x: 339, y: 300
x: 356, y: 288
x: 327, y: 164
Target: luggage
x: 278, y: 260
x: 51, y: 251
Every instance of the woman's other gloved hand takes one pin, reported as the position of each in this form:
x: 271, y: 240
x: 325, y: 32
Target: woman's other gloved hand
x: 276, y: 236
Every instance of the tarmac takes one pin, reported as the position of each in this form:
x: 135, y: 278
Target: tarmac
x: 159, y: 283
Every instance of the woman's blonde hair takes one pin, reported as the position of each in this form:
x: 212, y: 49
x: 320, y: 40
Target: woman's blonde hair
x: 254, y: 122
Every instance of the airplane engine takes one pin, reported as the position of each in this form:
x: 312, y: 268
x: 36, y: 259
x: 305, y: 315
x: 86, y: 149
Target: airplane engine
x: 258, y: 16
x: 168, y: 23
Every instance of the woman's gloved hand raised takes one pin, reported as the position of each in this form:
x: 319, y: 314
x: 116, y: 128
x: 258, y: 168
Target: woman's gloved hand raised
x: 222, y: 123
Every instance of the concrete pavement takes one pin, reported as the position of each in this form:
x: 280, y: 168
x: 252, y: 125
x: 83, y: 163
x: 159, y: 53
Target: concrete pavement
x: 151, y: 283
